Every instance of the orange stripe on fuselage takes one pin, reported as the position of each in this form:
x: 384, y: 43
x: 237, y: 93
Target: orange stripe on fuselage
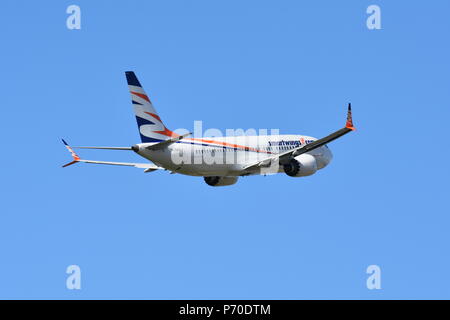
x: 172, y: 134
x: 228, y: 145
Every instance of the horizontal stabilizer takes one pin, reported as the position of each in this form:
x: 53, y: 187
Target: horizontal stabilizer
x: 104, y: 148
x: 165, y: 143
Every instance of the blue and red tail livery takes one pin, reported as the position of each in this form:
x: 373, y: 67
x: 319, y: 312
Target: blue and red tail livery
x: 220, y: 160
x: 151, y: 128
x: 132, y: 79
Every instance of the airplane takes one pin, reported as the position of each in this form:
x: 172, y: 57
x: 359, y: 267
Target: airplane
x: 219, y: 160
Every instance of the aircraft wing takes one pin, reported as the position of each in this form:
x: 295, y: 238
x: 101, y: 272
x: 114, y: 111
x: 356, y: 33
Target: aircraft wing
x: 288, y: 155
x: 147, y: 166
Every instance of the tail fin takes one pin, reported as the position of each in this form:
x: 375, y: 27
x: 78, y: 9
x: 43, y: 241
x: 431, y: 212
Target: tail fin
x: 151, y: 127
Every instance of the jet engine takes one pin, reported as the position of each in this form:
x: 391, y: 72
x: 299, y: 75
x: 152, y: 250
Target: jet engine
x: 220, y: 181
x: 301, y: 166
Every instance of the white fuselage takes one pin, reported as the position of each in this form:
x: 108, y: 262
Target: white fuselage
x: 227, y: 156
x: 220, y: 160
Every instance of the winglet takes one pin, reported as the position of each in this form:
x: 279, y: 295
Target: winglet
x: 76, y: 158
x: 349, y: 123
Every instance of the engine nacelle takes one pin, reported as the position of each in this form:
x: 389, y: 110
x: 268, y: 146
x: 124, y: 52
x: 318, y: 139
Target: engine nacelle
x: 301, y: 166
x: 220, y: 181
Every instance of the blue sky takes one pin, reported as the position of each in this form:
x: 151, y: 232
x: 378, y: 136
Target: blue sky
x: 291, y: 65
